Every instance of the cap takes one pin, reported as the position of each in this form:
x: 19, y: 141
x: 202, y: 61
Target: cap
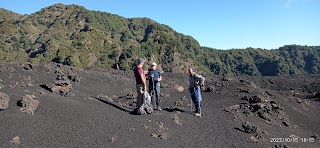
x: 153, y: 64
x: 139, y: 60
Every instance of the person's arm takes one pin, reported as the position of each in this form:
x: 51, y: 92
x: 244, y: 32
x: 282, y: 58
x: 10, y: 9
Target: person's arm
x: 144, y: 81
x: 160, y: 77
x: 143, y: 77
x: 148, y: 77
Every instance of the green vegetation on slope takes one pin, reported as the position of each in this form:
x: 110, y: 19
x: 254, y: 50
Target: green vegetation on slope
x: 73, y: 35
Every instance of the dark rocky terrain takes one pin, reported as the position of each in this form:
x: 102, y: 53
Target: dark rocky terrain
x: 52, y: 105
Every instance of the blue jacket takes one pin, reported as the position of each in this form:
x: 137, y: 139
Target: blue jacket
x: 156, y: 75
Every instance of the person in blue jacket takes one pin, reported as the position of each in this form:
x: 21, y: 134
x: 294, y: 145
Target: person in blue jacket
x: 154, y: 85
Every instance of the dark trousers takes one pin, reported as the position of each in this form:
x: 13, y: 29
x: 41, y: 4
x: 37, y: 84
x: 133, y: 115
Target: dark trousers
x: 154, y: 89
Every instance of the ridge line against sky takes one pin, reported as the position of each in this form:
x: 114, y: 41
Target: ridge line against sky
x: 220, y: 24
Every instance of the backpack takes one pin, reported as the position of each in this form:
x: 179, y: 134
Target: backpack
x: 197, y: 82
x: 146, y: 107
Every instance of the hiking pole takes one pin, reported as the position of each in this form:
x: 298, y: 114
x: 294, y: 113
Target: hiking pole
x: 191, y: 103
x: 153, y: 94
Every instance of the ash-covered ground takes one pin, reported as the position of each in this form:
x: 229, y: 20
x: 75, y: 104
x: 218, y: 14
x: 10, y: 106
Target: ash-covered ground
x: 52, y: 105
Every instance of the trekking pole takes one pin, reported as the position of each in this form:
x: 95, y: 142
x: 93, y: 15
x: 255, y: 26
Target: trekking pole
x: 153, y: 94
x: 191, y: 104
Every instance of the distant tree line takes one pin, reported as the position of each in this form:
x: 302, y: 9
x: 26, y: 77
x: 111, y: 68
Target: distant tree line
x: 73, y: 35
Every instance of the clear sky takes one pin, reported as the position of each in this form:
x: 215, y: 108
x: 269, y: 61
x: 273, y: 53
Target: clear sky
x: 221, y: 24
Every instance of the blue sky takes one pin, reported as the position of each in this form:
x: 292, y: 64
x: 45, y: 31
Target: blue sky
x: 221, y: 24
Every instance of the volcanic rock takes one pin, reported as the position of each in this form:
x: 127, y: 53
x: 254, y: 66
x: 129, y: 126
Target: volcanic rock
x: 281, y: 146
x: 74, y: 78
x: 211, y: 88
x: 63, y: 88
x: 249, y: 127
x: 286, y: 122
x: 4, y: 101
x: 264, y: 115
x: 15, y: 140
x: 28, y: 104
x: 28, y: 67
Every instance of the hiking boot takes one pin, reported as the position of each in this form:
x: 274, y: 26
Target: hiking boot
x: 159, y: 108
x: 198, y: 114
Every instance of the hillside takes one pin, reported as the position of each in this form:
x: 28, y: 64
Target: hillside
x: 73, y: 35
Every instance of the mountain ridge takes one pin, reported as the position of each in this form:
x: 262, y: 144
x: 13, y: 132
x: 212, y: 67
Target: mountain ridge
x: 74, y: 35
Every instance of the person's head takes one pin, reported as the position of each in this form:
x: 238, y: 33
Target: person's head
x: 191, y: 71
x: 153, y: 66
x: 139, y: 62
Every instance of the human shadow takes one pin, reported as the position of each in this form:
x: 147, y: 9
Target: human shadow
x: 236, y: 128
x: 118, y: 106
x: 174, y: 109
x: 133, y: 111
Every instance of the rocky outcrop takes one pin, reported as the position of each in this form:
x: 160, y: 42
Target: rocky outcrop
x: 28, y: 104
x: 261, y: 106
x: 4, y: 101
x: 61, y: 87
x: 249, y: 127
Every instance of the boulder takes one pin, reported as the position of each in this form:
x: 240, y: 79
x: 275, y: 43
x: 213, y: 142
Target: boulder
x: 211, y: 88
x: 16, y: 140
x: 286, y: 122
x: 178, y: 103
x: 61, y: 77
x: 281, y: 145
x: 179, y: 89
x: 255, y: 99
x: 275, y: 106
x: 226, y: 79
x: 2, y: 86
x: 4, y: 101
x: 299, y: 100
x: 233, y: 108
x: 61, y: 87
x: 28, y: 104
x: 243, y: 90
x: 252, y: 139
x: 316, y: 95
x: 264, y: 115
x: 249, y: 127
x: 74, y: 78
x: 130, y: 96
x: 245, y: 108
x: 28, y: 67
